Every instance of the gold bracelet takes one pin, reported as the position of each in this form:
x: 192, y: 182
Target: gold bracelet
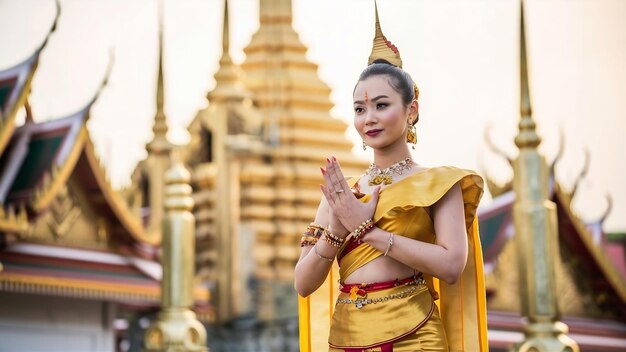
x: 321, y: 256
x: 314, y: 230
x: 332, y: 239
x: 332, y: 242
x: 362, y: 229
x: 308, y: 240
x: 389, y: 244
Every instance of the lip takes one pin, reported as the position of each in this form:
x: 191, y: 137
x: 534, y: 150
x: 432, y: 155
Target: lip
x: 373, y: 133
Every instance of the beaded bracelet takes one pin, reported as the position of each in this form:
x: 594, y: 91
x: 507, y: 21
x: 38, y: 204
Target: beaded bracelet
x: 362, y: 229
x: 334, y: 238
x: 308, y: 241
x: 314, y: 230
x: 311, y: 235
x: 332, y: 242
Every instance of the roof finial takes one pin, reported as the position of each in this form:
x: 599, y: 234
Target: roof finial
x: 527, y: 137
x: 159, y: 142
x: 228, y: 83
x: 53, y: 27
x: 225, y: 32
x: 103, y: 83
x: 160, y: 123
x: 29, y: 113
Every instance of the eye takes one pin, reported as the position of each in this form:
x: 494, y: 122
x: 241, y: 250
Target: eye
x: 381, y: 106
x: 358, y: 109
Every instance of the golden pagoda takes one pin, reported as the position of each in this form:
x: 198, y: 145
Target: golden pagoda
x: 294, y: 105
x: 255, y: 154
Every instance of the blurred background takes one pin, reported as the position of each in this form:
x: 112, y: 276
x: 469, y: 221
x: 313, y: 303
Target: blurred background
x: 464, y: 56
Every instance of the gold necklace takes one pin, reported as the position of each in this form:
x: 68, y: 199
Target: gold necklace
x: 385, y: 176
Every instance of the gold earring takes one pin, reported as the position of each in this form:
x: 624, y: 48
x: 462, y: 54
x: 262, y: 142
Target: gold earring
x: 364, y: 146
x: 411, y: 135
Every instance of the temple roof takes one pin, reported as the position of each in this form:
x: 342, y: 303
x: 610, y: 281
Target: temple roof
x: 15, y: 86
x: 584, y: 248
x: 89, y: 274
x: 73, y: 235
x: 79, y: 273
x: 41, y: 158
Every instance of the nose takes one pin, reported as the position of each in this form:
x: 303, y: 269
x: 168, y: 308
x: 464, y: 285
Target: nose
x: 370, y: 117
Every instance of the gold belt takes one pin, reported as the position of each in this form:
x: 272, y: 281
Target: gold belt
x: 361, y: 302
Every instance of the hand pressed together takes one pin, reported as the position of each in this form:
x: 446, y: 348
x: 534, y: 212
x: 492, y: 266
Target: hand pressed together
x: 344, y: 206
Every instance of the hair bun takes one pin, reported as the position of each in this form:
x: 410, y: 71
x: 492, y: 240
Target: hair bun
x: 382, y: 61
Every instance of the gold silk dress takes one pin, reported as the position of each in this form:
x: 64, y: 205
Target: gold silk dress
x: 413, y: 321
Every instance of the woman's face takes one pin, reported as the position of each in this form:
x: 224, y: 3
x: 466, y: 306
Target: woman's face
x: 380, y: 116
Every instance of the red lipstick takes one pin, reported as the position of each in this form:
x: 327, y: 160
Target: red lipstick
x: 373, y: 133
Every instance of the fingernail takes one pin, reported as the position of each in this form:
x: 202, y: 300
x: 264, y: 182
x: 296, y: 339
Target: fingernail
x: 323, y: 171
x: 328, y: 161
x: 335, y: 159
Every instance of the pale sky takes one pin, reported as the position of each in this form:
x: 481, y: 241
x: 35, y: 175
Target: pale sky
x: 463, y: 54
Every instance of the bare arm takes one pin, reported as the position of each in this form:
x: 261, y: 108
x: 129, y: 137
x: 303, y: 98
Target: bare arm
x: 340, y: 211
x: 446, y: 258
x: 311, y: 270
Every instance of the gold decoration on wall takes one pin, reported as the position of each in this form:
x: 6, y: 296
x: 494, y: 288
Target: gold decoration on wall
x: 63, y: 214
x: 13, y: 221
x: 505, y: 281
x: 102, y: 233
x: 58, y: 175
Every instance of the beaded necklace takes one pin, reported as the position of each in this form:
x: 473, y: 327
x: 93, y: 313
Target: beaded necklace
x: 385, y: 176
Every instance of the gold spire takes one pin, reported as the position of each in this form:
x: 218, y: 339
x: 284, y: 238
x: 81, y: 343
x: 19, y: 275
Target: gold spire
x: 527, y: 137
x: 536, y: 233
x: 225, y: 31
x: 159, y: 142
x: 176, y: 327
x: 159, y: 149
x: 228, y: 84
x: 382, y: 48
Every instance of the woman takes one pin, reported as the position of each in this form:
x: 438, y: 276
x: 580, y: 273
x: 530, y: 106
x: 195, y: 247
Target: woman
x: 404, y: 235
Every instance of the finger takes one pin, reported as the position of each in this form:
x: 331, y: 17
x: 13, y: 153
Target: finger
x: 330, y: 169
x: 327, y: 179
x: 329, y: 197
x: 375, y: 195
x: 340, y: 175
x: 336, y: 175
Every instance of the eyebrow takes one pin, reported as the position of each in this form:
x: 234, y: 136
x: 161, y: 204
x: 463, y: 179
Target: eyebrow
x: 373, y: 99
